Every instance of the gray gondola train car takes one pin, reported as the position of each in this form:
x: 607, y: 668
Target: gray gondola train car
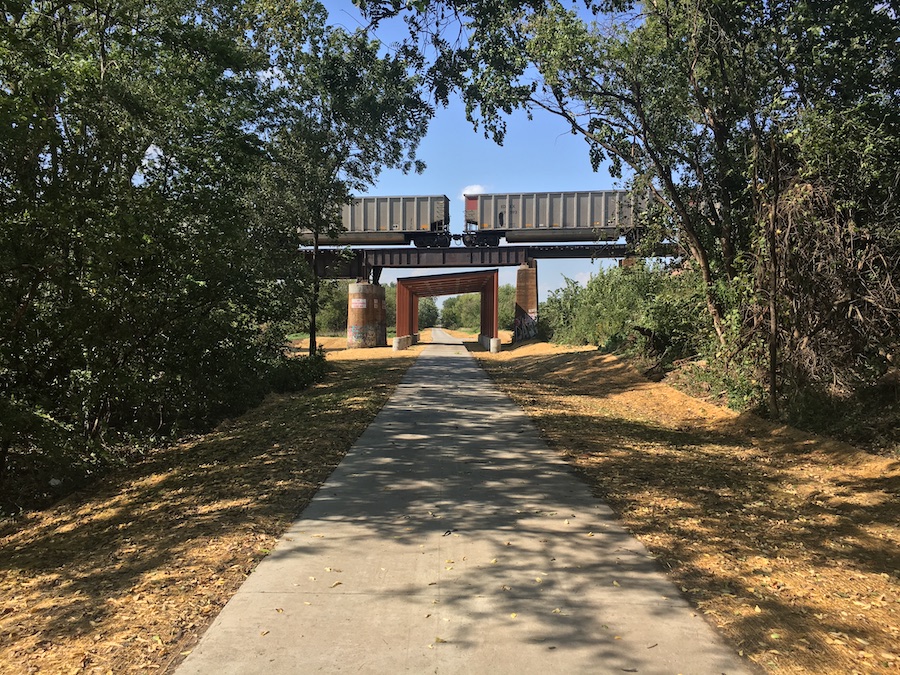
x: 549, y: 217
x: 422, y: 220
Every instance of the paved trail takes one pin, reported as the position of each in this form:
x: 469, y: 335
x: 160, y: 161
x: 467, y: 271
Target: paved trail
x: 452, y: 540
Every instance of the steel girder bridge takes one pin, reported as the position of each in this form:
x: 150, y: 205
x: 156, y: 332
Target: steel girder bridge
x: 367, y: 263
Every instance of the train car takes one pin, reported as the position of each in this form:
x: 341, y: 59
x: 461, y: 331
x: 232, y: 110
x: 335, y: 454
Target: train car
x: 421, y: 220
x: 549, y: 217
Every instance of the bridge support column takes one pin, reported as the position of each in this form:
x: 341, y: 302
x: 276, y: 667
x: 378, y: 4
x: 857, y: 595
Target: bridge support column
x: 366, y: 317
x: 407, y: 312
x: 526, y: 316
x: 490, y: 296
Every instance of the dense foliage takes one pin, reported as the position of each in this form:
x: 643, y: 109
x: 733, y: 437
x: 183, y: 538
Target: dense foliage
x: 641, y: 307
x: 157, y: 161
x: 464, y: 311
x: 764, y: 135
x: 428, y: 313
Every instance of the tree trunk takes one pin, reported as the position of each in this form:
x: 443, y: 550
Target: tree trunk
x: 696, y: 249
x: 5, y: 445
x: 773, y: 287
x: 314, y: 305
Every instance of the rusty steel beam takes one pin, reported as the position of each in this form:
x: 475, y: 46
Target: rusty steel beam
x: 362, y: 263
x: 338, y: 264
x: 445, y: 257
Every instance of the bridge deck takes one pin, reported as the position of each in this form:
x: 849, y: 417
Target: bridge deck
x: 362, y: 262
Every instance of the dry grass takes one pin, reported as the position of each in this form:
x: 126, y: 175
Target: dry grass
x: 789, y: 543
x: 127, y: 575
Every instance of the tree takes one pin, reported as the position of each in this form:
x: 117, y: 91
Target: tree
x: 351, y: 112
x: 716, y: 110
x: 333, y: 306
x: 390, y: 304
x: 158, y: 162
x: 428, y: 313
x: 462, y: 311
x: 450, y: 313
x: 129, y: 274
x: 506, y: 307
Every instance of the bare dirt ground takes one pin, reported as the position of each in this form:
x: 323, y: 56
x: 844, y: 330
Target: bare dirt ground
x: 789, y: 543
x: 125, y: 576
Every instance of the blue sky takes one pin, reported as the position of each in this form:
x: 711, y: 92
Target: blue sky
x: 538, y: 155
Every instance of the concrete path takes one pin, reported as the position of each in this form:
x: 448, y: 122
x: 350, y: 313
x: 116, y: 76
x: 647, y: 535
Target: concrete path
x: 452, y: 540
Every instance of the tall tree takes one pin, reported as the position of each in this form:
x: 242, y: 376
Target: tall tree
x: 157, y: 161
x: 428, y: 313
x: 353, y: 111
x: 713, y: 109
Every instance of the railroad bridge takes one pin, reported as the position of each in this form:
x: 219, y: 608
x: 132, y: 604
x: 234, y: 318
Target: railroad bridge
x: 366, y: 311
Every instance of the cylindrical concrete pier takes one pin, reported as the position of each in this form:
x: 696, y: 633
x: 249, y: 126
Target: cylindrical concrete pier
x: 366, y: 316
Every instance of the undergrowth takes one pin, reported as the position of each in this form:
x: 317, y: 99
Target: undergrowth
x: 656, y: 316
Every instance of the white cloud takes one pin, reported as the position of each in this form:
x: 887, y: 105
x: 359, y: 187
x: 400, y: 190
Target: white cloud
x: 272, y: 76
x: 583, y: 278
x: 472, y: 190
x: 152, y: 156
x: 152, y: 159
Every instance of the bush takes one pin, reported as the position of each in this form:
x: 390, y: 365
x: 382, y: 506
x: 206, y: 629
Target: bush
x: 298, y: 373
x: 646, y: 309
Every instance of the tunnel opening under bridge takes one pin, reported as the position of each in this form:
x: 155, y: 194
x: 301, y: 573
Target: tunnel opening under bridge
x: 411, y: 289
